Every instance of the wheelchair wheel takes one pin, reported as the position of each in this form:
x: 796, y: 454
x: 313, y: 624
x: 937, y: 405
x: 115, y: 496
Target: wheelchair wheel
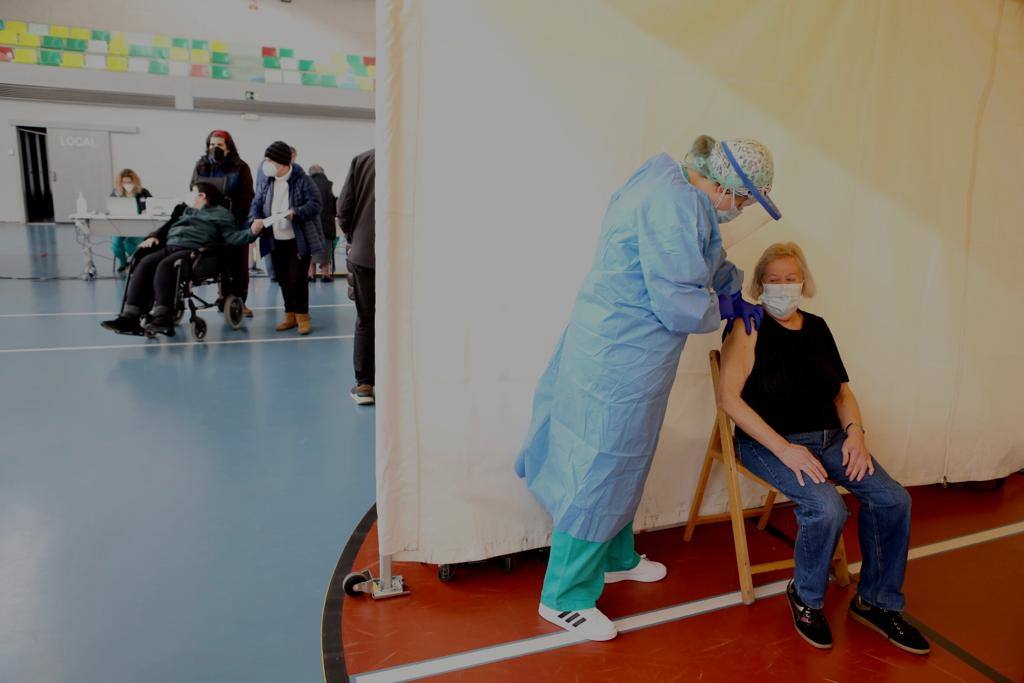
x: 233, y: 311
x: 198, y: 328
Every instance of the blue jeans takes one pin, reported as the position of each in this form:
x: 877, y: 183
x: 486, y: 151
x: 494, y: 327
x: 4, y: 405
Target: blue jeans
x: 883, y: 523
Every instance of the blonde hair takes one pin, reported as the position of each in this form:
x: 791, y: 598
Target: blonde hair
x: 128, y: 173
x: 774, y: 253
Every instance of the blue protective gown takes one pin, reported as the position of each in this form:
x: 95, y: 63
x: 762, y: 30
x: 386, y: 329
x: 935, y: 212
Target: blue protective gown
x: 598, y: 408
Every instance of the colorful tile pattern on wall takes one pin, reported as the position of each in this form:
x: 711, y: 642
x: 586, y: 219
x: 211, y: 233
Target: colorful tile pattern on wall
x: 76, y: 47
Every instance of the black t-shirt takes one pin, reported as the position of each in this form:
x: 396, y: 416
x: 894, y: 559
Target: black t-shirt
x: 796, y: 377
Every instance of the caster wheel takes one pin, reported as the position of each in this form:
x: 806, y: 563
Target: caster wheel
x: 353, y: 580
x: 506, y: 565
x: 445, y: 573
x: 149, y: 335
x: 234, y: 312
x: 198, y: 328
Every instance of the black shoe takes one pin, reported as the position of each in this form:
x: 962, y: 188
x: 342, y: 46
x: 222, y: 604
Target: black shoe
x: 124, y: 325
x: 890, y: 624
x: 160, y: 324
x: 810, y: 623
x: 326, y: 278
x: 121, y: 270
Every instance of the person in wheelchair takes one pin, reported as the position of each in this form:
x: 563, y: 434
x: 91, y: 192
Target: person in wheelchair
x: 798, y: 425
x: 154, y: 271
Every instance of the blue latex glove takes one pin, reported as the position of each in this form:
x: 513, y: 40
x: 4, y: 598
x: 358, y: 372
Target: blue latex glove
x: 725, y: 306
x: 737, y: 307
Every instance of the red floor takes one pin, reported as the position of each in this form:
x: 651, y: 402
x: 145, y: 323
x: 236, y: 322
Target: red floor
x: 963, y: 595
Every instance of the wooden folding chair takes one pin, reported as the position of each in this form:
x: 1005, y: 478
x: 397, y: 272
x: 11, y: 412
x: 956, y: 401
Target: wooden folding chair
x: 722, y: 449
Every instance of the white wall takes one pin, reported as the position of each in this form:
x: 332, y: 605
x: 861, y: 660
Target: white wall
x: 313, y: 27
x: 168, y: 143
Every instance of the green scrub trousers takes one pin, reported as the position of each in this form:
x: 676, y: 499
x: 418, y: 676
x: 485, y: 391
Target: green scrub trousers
x: 124, y: 247
x: 575, y: 575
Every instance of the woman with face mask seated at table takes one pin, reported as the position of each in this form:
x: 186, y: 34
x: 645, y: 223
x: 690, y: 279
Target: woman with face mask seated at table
x: 127, y: 184
x: 798, y: 425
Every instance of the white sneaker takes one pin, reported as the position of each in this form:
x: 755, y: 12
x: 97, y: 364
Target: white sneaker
x: 647, y: 571
x: 587, y: 623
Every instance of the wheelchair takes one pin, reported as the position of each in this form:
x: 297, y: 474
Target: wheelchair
x: 195, y: 268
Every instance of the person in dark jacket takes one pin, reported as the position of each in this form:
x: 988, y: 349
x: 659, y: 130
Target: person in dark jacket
x: 328, y: 210
x: 222, y: 167
x: 127, y: 184
x: 356, y: 206
x: 289, y: 203
x: 152, y: 283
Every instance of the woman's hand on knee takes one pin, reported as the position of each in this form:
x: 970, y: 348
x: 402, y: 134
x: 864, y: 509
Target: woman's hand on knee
x: 856, y: 457
x: 803, y: 463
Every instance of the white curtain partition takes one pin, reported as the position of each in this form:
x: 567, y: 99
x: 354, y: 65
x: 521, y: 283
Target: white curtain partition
x: 897, y: 128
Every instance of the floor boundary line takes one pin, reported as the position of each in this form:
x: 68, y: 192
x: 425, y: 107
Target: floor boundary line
x: 164, y: 345
x: 537, y: 644
x: 95, y: 313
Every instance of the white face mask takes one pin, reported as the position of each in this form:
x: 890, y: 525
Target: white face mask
x: 270, y: 169
x: 726, y: 215
x: 781, y: 300
x: 193, y: 195
x: 128, y: 187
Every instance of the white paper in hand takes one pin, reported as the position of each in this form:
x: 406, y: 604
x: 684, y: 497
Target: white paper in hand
x: 271, y: 220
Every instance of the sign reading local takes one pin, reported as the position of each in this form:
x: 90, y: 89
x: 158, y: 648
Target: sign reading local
x: 77, y: 141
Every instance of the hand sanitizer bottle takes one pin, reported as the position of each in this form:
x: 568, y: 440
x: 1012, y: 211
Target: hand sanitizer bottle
x: 80, y: 205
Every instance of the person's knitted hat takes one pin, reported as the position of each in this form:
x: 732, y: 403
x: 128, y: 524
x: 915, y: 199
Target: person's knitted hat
x: 280, y: 153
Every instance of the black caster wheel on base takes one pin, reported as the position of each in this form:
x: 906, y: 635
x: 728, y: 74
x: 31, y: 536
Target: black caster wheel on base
x: 356, y: 581
x: 198, y: 328
x: 445, y: 573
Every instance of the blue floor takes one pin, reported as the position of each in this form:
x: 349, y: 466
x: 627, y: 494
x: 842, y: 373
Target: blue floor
x: 168, y: 512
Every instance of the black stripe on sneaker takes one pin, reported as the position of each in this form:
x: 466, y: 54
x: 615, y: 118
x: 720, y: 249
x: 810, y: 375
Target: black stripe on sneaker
x: 580, y: 621
x: 562, y: 615
x: 572, y: 616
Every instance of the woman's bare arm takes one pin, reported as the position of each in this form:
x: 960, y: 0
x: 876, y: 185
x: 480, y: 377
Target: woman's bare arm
x: 737, y: 364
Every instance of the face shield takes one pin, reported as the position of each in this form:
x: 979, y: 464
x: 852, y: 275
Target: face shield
x: 750, y: 220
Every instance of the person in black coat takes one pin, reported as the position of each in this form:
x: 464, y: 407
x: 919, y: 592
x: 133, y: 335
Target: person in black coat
x: 356, y: 206
x: 328, y: 210
x: 222, y: 167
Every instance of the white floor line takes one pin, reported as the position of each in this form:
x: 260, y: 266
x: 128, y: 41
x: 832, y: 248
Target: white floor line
x: 164, y: 344
x: 93, y: 313
x: 520, y: 648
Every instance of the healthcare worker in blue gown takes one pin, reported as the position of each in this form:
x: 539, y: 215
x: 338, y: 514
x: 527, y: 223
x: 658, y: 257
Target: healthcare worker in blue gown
x: 660, y: 274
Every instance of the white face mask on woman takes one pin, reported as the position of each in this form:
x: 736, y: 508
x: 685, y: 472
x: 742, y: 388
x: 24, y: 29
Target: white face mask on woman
x: 128, y: 187
x: 781, y: 300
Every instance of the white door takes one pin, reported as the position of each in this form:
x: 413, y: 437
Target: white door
x: 79, y: 162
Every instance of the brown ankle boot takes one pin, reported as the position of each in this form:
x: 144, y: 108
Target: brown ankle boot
x: 288, y: 323
x: 303, y: 320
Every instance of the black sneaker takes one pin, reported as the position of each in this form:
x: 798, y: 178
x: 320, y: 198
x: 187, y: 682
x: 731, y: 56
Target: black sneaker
x: 890, y: 624
x: 363, y: 394
x: 124, y: 325
x: 810, y: 623
x: 160, y: 324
